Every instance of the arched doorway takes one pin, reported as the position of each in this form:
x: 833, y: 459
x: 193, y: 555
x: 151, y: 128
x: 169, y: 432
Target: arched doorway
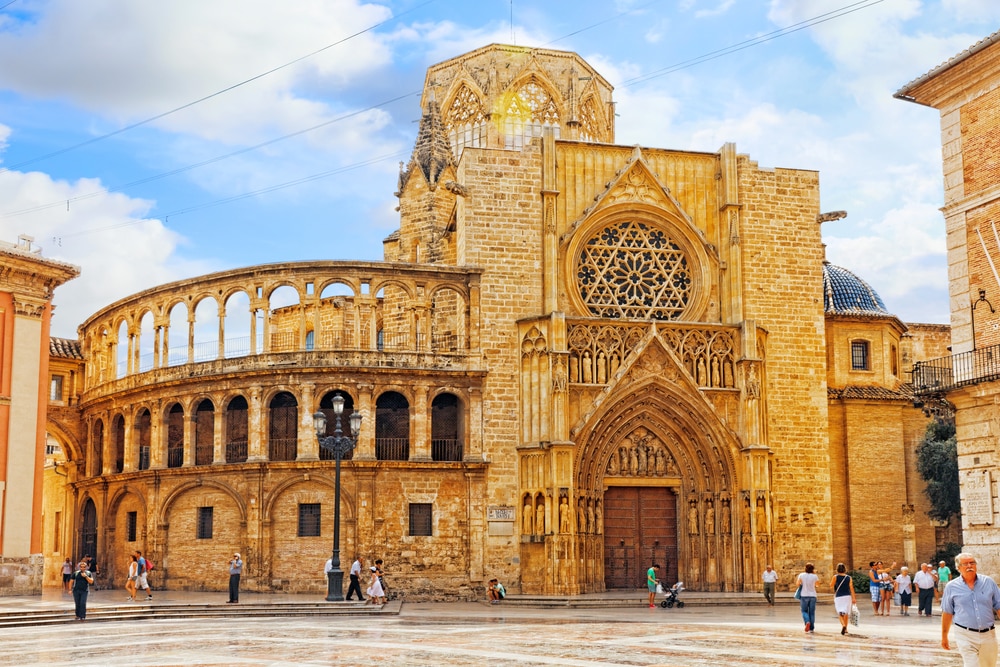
x: 88, y: 531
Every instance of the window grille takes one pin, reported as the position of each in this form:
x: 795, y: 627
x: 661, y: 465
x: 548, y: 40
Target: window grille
x: 97, y: 465
x: 237, y: 430
x: 446, y: 428
x: 421, y: 519
x: 205, y: 515
x: 204, y: 434
x: 392, y: 427
x: 131, y: 521
x: 283, y: 440
x: 309, y: 520
x: 859, y: 355
x: 175, y: 436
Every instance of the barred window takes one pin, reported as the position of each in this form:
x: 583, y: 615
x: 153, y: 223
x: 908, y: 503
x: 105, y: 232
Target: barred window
x: 131, y: 520
x: 205, y: 522
x: 859, y: 355
x: 421, y: 519
x: 309, y: 525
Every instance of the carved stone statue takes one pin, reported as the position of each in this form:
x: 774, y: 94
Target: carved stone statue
x: 526, y: 517
x: 599, y: 523
x: 540, y: 517
x: 564, y: 525
x: 590, y: 517
x: 710, y: 519
x: 693, y: 518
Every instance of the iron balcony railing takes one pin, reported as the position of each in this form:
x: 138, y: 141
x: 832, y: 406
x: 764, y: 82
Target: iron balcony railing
x: 958, y: 370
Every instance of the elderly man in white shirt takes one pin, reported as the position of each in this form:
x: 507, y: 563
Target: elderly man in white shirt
x: 924, y: 581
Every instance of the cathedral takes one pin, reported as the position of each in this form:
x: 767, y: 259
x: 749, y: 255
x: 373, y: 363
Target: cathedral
x: 576, y: 359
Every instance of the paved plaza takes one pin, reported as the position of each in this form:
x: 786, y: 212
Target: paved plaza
x: 472, y: 634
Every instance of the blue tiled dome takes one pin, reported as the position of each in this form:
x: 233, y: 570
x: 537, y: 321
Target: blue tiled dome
x: 844, y: 292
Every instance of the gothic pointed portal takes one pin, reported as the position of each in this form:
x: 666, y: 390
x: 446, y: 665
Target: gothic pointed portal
x: 659, y: 464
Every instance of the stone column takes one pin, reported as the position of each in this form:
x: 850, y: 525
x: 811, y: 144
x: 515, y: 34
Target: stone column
x: 190, y: 430
x: 420, y: 432
x: 364, y: 449
x: 308, y: 449
x: 157, y: 437
x: 255, y: 426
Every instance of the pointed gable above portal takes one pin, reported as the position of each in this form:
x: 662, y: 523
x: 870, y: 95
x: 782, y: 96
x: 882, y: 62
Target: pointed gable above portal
x: 635, y: 183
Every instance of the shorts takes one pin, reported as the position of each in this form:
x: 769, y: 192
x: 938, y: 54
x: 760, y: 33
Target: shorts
x: 876, y: 590
x: 651, y: 586
x: 142, y: 581
x: 843, y: 604
x: 67, y: 577
x: 941, y: 585
x: 904, y: 599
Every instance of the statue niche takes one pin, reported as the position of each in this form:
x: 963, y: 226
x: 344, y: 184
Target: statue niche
x: 641, y: 455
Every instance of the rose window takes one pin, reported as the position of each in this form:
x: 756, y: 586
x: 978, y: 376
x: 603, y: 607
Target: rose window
x: 633, y: 270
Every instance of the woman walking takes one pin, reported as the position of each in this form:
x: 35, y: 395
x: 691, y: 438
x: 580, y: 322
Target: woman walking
x: 807, y: 597
x: 885, y: 578
x: 133, y: 575
x: 843, y: 595
x: 375, y: 592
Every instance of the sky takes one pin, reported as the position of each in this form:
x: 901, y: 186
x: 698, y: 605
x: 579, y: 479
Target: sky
x: 147, y: 142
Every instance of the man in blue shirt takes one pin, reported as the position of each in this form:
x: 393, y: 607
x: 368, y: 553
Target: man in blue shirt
x: 971, y: 601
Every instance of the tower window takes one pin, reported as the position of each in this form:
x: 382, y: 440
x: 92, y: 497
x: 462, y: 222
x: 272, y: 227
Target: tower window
x: 420, y: 519
x: 859, y: 355
x: 205, y: 522
x: 309, y: 520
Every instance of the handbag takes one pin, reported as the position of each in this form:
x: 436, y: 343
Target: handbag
x: 855, y: 615
x: 659, y: 588
x: 798, y: 592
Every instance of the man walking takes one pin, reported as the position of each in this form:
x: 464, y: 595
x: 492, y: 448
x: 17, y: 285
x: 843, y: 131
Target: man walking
x: 924, y: 581
x: 770, y: 578
x: 971, y: 601
x: 943, y: 575
x: 142, y: 583
x: 356, y: 567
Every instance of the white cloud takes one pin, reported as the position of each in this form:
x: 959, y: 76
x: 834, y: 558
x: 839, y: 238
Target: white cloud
x: 115, y: 260
x: 126, y: 60
x: 973, y: 10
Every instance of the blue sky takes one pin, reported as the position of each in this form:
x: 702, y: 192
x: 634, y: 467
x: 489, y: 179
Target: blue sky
x: 301, y: 162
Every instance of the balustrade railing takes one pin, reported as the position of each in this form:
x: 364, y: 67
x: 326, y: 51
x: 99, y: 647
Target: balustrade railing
x: 175, y: 457
x: 236, y: 452
x: 958, y: 370
x: 392, y: 449
x: 446, y: 450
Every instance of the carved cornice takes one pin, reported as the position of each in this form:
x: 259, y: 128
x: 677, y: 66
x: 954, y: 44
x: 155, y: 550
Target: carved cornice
x: 33, y: 308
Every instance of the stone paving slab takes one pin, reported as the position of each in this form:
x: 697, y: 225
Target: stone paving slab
x: 471, y: 633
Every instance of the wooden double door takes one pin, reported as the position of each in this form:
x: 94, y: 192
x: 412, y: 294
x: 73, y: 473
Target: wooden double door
x: 640, y: 528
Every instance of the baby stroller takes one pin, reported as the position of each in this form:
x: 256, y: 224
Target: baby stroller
x: 670, y: 596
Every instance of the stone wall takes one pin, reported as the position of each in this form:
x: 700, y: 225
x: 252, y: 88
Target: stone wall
x: 21, y: 576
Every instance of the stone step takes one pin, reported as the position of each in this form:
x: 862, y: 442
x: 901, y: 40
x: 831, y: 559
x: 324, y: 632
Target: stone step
x: 149, y: 611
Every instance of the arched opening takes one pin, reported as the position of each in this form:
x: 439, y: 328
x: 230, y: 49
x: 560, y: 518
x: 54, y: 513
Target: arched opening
x: 177, y: 336
x: 145, y: 343
x: 286, y: 319
x: 326, y: 407
x: 88, y: 530
x: 237, y: 325
x: 97, y: 449
x: 122, y: 348
x: 392, y: 427
x: 446, y: 428
x: 204, y: 433
x: 206, y: 330
x: 142, y: 427
x: 175, y: 436
x: 118, y: 442
x: 237, y: 430
x: 283, y: 432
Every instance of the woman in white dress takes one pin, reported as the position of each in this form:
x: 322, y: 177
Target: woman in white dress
x: 375, y: 592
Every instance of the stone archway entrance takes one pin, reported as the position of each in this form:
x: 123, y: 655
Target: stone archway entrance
x: 640, y: 529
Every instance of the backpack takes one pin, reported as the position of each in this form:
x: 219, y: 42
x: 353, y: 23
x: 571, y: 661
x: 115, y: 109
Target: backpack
x: 149, y: 565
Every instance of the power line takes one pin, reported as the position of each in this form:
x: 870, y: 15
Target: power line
x: 218, y: 158
x: 781, y: 32
x: 244, y: 195
x: 140, y: 123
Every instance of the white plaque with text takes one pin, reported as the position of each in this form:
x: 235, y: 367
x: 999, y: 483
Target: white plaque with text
x: 978, y: 501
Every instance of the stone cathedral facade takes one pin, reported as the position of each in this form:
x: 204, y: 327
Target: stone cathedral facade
x: 577, y: 358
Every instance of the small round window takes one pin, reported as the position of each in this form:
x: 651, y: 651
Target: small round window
x: 633, y: 270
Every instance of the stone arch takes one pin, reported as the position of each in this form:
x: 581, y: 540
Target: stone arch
x: 73, y: 449
x: 171, y: 498
x: 658, y: 412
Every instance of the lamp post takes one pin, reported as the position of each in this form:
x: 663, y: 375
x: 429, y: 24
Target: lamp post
x: 982, y: 299
x: 339, y: 444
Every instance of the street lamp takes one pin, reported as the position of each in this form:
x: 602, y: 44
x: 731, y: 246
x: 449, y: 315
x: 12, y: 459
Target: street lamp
x: 338, y: 444
x: 982, y: 299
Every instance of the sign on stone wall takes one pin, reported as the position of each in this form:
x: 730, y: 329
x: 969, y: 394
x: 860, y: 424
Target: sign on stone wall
x: 501, y: 513
x: 500, y: 519
x: 977, y: 505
